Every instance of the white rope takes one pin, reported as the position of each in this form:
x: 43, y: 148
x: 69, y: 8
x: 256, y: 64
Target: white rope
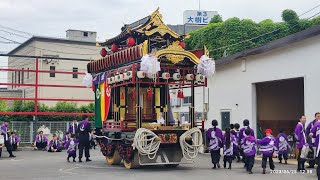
x: 146, y: 142
x: 190, y: 151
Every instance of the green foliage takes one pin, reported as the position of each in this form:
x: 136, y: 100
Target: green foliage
x: 235, y: 35
x: 290, y: 16
x: 28, y: 106
x: 216, y: 19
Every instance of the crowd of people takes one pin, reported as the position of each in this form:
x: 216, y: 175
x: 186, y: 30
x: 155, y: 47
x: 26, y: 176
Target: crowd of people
x: 237, y: 143
x: 79, y: 137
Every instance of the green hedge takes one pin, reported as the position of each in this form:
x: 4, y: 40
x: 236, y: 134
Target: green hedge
x: 219, y: 34
x: 28, y: 106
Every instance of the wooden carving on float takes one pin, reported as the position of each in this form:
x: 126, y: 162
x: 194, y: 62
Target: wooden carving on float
x: 175, y: 54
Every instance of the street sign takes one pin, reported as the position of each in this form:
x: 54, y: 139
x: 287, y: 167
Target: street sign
x: 198, y: 17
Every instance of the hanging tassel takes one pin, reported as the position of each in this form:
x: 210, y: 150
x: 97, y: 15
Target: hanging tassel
x: 134, y: 94
x: 122, y: 96
x: 179, y: 94
x: 150, y: 94
x: 182, y: 95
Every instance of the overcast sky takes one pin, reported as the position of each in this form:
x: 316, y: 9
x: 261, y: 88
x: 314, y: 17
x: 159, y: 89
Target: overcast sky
x: 54, y: 17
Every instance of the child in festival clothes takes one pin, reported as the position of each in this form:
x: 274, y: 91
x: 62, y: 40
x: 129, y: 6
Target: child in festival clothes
x: 71, y: 147
x: 229, y: 141
x: 66, y: 138
x: 214, y: 135
x: 282, y: 145
x: 242, y: 135
x: 236, y: 148
x: 249, y: 150
x: 267, y: 147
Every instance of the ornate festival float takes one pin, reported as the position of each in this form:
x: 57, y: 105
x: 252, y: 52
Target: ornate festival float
x: 132, y: 102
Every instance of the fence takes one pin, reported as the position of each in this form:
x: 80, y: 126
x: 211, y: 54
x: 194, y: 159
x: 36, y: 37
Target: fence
x: 27, y: 130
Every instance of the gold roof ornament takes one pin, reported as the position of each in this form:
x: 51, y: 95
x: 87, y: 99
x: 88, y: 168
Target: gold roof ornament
x: 156, y: 25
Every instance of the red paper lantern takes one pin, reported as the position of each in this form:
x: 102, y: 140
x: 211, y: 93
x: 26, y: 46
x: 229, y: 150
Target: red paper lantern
x: 114, y: 48
x: 103, y: 52
x: 130, y: 42
x: 182, y: 44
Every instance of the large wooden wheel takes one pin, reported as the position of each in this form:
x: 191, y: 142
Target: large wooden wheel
x: 133, y: 164
x: 114, y: 160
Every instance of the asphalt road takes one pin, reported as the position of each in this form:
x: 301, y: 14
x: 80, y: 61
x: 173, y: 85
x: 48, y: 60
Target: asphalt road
x: 44, y: 165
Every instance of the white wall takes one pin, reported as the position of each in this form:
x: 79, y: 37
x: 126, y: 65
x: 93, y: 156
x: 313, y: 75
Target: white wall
x: 231, y: 85
x: 63, y: 65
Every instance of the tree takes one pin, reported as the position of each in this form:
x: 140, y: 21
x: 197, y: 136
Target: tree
x: 290, y: 16
x: 235, y: 35
x: 216, y: 19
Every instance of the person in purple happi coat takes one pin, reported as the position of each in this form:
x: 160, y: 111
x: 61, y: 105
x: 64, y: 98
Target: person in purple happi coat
x: 315, y: 132
x: 267, y: 147
x: 311, y: 140
x: 229, y: 141
x: 66, y: 138
x: 242, y: 135
x: 73, y: 127
x: 71, y: 146
x: 300, y: 135
x: 14, y: 141
x: 54, y: 144
x: 214, y: 136
x: 41, y: 141
x: 236, y: 148
x: 249, y: 150
x: 282, y: 145
x: 84, y: 130
x: 4, y: 132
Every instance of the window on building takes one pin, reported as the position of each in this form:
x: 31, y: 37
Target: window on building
x: 15, y: 78
x: 12, y: 77
x: 28, y: 74
x: 22, y: 76
x: 75, y: 70
x: 19, y: 82
x: 85, y: 34
x: 52, y: 71
x: 187, y: 100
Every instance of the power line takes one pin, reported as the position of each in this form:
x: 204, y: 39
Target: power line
x: 45, y: 57
x: 274, y: 31
x: 14, y: 34
x: 23, y: 32
x: 45, y: 49
x: 6, y: 42
x: 51, y: 43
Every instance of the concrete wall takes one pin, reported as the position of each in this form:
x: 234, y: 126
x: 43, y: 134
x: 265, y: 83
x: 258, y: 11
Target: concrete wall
x: 233, y: 86
x: 26, y: 64
x: 87, y: 51
x: 5, y: 93
x: 183, y: 29
x: 78, y: 35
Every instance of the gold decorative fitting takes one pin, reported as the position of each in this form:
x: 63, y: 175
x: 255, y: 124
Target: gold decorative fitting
x: 175, y: 53
x: 175, y: 59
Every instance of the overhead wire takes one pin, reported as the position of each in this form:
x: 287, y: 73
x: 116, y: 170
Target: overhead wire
x: 32, y: 35
x: 46, y: 49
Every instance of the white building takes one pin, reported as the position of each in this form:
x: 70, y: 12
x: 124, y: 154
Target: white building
x: 78, y: 45
x: 272, y: 85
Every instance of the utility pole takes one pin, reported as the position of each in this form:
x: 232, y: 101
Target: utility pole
x: 199, y: 5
